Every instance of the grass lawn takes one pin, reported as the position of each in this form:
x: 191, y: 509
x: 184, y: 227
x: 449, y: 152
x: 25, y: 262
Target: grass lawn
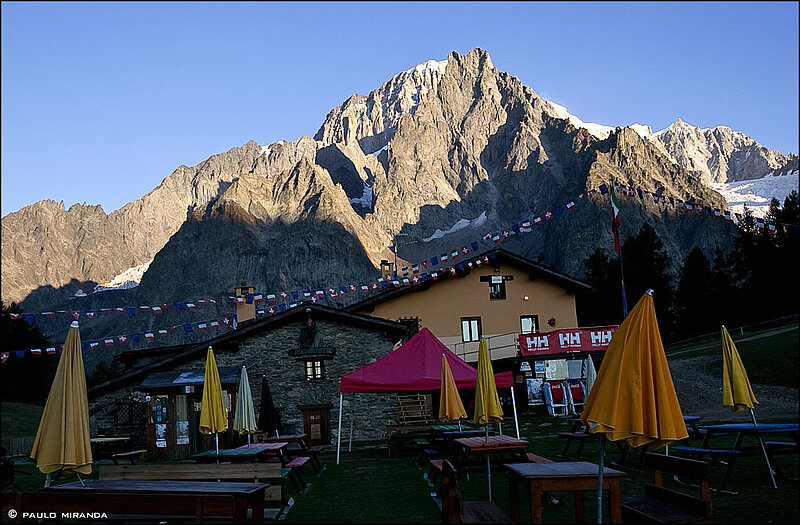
x: 369, y: 487
x: 19, y: 419
x: 779, y: 366
x: 770, y: 358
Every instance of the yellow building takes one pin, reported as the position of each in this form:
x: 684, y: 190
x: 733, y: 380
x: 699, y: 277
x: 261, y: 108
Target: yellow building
x: 498, y: 299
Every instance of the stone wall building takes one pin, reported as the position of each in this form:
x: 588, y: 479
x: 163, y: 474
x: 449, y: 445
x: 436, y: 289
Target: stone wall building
x: 302, y: 352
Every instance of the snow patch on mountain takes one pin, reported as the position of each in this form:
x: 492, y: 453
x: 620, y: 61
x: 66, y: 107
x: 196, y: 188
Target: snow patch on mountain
x: 130, y: 278
x: 598, y: 130
x: 376, y: 153
x: 757, y: 194
x: 460, y: 225
x: 366, y: 197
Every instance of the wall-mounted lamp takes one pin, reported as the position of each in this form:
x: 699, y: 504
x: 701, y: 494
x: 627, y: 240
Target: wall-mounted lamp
x: 525, y: 297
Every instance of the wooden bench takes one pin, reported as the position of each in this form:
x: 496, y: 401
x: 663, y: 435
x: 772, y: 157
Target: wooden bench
x: 713, y: 453
x: 456, y: 510
x: 131, y: 456
x: 533, y: 458
x: 272, y: 473
x: 665, y: 505
x: 580, y: 437
x: 296, y: 478
x: 314, y: 452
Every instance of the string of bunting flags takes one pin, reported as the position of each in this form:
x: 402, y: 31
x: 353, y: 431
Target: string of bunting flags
x: 148, y: 336
x: 453, y: 261
x: 131, y: 311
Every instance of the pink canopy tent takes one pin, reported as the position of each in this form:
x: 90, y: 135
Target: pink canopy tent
x: 415, y: 366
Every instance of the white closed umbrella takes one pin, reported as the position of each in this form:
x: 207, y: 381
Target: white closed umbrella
x: 589, y: 373
x: 244, y: 420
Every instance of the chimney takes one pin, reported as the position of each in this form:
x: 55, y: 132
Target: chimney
x: 386, y: 267
x: 244, y: 311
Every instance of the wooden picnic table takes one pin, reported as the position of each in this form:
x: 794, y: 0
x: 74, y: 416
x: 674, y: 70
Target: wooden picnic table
x: 302, y: 445
x: 573, y: 476
x: 749, y: 430
x: 192, y: 498
x: 234, y: 455
x: 106, y: 447
x: 266, y: 448
x: 495, y: 445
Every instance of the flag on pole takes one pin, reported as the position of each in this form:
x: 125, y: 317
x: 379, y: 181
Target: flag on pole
x: 615, y: 220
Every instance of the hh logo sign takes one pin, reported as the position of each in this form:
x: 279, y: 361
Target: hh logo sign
x: 564, y: 341
x: 601, y: 338
x: 537, y: 342
x: 569, y: 339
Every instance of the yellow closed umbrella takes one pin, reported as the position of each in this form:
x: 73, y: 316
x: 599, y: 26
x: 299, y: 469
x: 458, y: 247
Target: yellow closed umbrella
x: 487, y: 402
x: 736, y: 390
x: 244, y: 419
x: 62, y: 439
x: 213, y: 415
x: 450, y: 405
x: 633, y: 397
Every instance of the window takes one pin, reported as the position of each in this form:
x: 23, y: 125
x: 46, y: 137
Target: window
x: 497, y: 291
x: 470, y: 329
x: 497, y: 286
x: 314, y: 370
x: 529, y: 324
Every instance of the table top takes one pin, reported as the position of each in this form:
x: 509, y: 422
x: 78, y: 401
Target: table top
x: 289, y: 438
x: 447, y: 428
x: 161, y: 487
x: 569, y: 469
x: 467, y: 433
x: 493, y: 442
x: 108, y: 439
x: 749, y: 427
x: 691, y: 419
x: 229, y: 452
x: 264, y: 447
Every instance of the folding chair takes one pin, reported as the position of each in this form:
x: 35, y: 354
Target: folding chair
x: 576, y: 395
x: 555, y: 398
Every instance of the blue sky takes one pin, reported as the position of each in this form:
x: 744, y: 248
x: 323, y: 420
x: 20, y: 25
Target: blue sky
x: 101, y: 101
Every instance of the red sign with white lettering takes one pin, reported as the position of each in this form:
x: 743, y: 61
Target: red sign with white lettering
x: 566, y: 341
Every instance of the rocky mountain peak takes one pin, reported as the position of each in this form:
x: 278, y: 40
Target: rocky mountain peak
x: 441, y: 153
x: 720, y: 154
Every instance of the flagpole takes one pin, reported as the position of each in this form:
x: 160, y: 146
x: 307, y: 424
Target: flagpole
x: 622, y: 282
x: 618, y: 247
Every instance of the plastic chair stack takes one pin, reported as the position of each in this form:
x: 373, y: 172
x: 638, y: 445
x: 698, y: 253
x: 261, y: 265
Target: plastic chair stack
x: 576, y: 395
x: 555, y: 398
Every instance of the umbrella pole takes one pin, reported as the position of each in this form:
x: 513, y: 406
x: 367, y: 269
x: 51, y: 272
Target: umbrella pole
x: 248, y: 440
x: 47, y: 480
x: 339, y: 433
x: 763, y: 449
x: 600, y: 479
x: 350, y: 436
x: 489, y: 472
x: 514, y: 407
